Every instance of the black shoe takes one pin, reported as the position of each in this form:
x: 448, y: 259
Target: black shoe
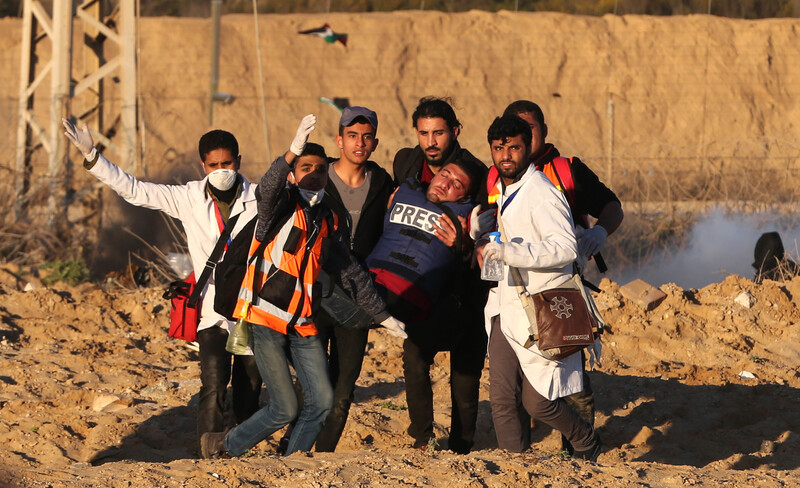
x: 459, y: 446
x: 212, y: 445
x: 283, y: 445
x: 589, y: 454
x: 566, y: 446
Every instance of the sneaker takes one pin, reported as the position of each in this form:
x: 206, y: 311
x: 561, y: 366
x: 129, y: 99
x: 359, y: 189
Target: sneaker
x: 589, y: 454
x: 212, y: 445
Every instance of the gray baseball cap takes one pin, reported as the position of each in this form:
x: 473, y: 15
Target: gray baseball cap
x: 349, y: 114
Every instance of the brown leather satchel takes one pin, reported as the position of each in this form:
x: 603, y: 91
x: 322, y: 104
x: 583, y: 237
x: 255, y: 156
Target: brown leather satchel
x: 560, y: 320
x: 565, y: 324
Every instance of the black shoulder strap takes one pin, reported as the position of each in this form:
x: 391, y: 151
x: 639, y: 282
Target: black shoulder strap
x: 309, y: 245
x: 211, y: 263
x: 282, y: 214
x: 331, y: 221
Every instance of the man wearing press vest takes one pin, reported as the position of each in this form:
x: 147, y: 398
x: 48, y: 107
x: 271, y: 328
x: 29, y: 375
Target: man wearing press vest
x: 437, y: 129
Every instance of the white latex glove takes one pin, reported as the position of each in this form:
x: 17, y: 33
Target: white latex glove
x: 493, y: 250
x: 591, y: 240
x: 303, y: 130
x: 395, y: 327
x: 481, y: 222
x: 81, y: 138
x: 595, y: 352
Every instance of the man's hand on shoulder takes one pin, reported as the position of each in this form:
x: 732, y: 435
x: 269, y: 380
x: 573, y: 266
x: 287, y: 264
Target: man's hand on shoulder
x: 481, y: 222
x: 446, y: 232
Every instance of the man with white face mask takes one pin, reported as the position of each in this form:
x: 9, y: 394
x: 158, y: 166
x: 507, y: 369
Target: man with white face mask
x: 204, y: 207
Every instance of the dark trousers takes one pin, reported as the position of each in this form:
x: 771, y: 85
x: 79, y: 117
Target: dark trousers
x: 346, y: 349
x: 512, y: 394
x: 215, y: 373
x: 583, y: 404
x: 446, y: 329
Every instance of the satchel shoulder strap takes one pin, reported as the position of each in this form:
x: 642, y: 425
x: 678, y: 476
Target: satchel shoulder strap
x: 522, y: 292
x: 211, y: 263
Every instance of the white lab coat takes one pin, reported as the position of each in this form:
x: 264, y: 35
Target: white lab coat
x: 541, y: 242
x: 194, y: 207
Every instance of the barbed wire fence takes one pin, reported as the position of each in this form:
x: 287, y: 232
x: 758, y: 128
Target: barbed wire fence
x: 650, y: 178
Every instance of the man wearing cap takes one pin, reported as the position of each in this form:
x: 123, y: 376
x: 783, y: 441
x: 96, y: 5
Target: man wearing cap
x: 358, y: 190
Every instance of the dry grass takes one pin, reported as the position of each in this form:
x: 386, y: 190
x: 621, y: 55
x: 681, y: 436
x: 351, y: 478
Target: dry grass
x: 30, y: 243
x: 662, y: 199
x: 709, y: 180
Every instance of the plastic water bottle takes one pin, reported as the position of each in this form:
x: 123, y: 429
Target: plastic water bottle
x: 239, y: 338
x: 180, y: 263
x: 492, y: 268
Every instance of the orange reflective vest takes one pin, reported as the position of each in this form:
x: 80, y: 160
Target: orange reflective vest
x: 277, y: 290
x: 558, y: 171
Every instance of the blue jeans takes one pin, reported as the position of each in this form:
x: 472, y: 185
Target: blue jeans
x: 272, y: 350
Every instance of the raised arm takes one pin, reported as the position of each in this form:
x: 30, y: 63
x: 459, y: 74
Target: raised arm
x: 155, y: 196
x: 274, y: 180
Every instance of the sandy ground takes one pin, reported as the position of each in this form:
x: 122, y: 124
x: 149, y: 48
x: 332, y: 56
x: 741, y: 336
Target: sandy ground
x: 94, y: 393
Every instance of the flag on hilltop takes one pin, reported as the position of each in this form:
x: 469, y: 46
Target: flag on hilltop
x: 326, y: 33
x: 338, y: 103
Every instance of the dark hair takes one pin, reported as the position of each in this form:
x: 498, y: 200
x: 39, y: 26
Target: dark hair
x: 433, y: 107
x: 217, y: 139
x: 525, y: 107
x: 358, y: 120
x: 313, y: 149
x: 473, y: 171
x: 509, y: 126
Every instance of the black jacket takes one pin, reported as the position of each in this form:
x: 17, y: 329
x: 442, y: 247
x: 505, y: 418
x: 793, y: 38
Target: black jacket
x: 408, y: 162
x: 370, y: 224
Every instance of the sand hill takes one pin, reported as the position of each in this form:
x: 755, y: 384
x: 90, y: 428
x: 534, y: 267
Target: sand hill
x: 663, y: 108
x: 700, y: 391
x: 686, y: 91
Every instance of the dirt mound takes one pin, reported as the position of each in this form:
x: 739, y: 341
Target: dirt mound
x: 699, y: 390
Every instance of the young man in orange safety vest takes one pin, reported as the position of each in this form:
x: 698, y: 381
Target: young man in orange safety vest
x: 296, y: 236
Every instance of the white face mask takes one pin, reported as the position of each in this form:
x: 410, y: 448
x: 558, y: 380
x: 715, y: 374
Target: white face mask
x: 312, y: 197
x: 222, y: 179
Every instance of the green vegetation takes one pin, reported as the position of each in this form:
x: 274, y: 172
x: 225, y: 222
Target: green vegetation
x: 564, y: 455
x: 433, y: 445
x: 70, y: 271
x: 744, y: 9
x: 391, y: 405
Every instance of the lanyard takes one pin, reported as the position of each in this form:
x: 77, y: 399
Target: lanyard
x: 508, y: 200
x: 220, y: 223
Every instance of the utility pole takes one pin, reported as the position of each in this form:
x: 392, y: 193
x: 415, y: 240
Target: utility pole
x: 67, y: 92
x: 214, y: 94
x: 216, y: 10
